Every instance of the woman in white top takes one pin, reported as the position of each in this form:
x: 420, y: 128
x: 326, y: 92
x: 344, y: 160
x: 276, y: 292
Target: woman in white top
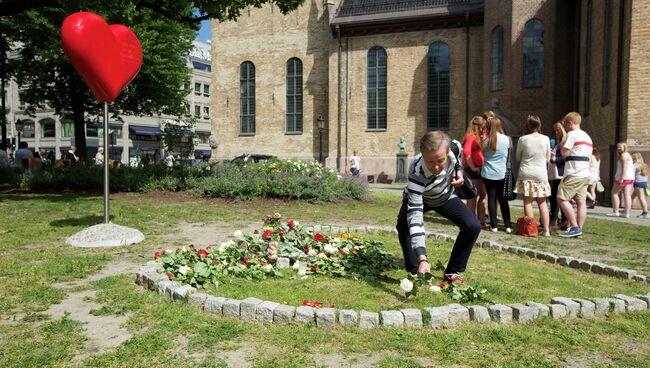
x: 640, y: 183
x: 533, y: 153
x: 623, y: 181
x: 594, y: 177
x: 99, y: 157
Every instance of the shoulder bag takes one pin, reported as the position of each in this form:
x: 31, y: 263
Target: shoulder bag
x: 509, y: 180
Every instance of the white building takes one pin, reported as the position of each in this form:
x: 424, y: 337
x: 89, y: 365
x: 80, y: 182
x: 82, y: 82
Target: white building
x: 134, y: 139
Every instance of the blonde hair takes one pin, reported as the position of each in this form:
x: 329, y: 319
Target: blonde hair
x: 433, y: 140
x: 494, y: 127
x: 489, y: 115
x: 624, y: 145
x: 474, y: 128
x: 574, y: 117
x: 561, y: 126
x: 638, y: 159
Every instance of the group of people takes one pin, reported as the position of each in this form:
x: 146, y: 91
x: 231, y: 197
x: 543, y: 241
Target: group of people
x: 563, y: 168
x: 16, y: 159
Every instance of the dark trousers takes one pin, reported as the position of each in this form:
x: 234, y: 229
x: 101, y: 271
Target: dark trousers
x: 555, y: 207
x: 494, y: 189
x: 455, y: 211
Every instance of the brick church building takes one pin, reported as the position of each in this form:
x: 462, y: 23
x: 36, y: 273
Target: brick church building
x: 377, y: 70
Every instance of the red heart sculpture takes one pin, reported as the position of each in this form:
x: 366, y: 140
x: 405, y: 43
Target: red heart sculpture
x: 107, y: 57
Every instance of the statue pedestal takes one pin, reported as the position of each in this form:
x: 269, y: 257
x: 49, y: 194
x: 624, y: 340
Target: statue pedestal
x: 402, y: 167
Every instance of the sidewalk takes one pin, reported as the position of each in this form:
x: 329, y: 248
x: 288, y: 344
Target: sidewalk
x: 599, y: 212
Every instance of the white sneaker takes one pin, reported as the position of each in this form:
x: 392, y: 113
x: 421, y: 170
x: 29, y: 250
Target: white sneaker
x: 494, y: 229
x: 627, y: 215
x: 643, y: 215
x: 613, y: 214
x: 508, y: 230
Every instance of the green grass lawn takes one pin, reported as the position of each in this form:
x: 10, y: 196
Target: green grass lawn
x: 166, y: 334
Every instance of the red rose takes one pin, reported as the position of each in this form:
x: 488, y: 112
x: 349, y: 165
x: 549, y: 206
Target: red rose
x: 281, y: 233
x: 191, y: 246
x: 203, y: 253
x: 314, y: 268
x: 319, y: 238
x: 442, y: 285
x: 268, y: 216
x: 216, y: 263
x: 343, y: 252
x: 256, y: 231
x: 305, y: 302
x: 332, y: 306
x: 178, y: 250
x: 245, y: 260
x: 156, y: 255
x: 267, y: 234
x: 291, y: 224
x: 170, y: 276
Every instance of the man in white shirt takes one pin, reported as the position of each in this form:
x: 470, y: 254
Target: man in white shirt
x: 355, y: 163
x: 576, y: 151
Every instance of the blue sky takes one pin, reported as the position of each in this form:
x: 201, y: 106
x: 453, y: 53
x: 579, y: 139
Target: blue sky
x: 204, y: 32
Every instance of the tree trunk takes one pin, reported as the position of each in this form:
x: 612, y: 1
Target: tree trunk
x: 78, y: 112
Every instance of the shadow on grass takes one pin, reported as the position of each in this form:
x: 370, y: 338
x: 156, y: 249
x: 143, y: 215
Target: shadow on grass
x: 89, y: 220
x: 47, y: 197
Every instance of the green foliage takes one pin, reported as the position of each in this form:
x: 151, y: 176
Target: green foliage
x: 225, y: 180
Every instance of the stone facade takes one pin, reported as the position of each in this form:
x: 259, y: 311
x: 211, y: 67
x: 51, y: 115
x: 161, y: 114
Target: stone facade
x: 606, y: 85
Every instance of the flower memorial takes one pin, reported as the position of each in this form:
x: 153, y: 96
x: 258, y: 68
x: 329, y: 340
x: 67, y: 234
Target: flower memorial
x: 457, y: 290
x: 254, y: 256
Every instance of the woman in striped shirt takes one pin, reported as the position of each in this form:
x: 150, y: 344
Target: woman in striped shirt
x: 433, y: 175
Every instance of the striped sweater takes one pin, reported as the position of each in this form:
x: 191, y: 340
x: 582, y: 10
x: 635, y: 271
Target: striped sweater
x: 425, y: 188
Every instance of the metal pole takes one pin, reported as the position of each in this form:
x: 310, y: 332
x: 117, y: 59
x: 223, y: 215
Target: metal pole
x: 106, y: 212
x: 320, y: 145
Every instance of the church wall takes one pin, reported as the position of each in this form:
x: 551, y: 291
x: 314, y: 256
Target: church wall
x: 269, y: 39
x: 406, y: 95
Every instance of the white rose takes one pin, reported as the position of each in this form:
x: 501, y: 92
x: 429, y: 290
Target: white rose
x: 296, y: 264
x: 267, y: 267
x: 238, y: 234
x: 184, y: 249
x: 435, y: 288
x: 321, y: 255
x: 296, y: 222
x: 168, y: 251
x: 183, y: 269
x: 312, y: 252
x: 330, y: 248
x: 336, y: 240
x: 406, y: 285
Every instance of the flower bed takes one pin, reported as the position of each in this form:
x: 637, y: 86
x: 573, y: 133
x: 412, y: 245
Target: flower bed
x: 255, y: 256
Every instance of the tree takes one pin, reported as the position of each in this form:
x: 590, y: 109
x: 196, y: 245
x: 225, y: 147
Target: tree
x: 164, y: 28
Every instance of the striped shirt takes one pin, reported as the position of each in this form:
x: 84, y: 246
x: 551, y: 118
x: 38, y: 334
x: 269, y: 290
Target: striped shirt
x: 425, y: 188
x: 581, y: 147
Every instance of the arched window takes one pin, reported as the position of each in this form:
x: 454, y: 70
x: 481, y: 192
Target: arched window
x: 533, y: 52
x: 294, y: 96
x: 247, y: 98
x: 496, y: 59
x: 438, y: 86
x: 376, y: 86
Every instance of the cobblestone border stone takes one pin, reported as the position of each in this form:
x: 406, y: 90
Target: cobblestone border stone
x: 253, y: 309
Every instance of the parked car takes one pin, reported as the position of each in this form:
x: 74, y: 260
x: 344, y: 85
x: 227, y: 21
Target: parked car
x: 252, y: 158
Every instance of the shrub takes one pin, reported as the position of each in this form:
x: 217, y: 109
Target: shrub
x: 273, y: 179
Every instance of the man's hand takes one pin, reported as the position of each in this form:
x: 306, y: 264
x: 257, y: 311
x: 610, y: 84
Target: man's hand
x: 458, y: 180
x: 424, y: 266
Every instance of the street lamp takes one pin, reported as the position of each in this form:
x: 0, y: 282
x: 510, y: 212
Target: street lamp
x: 321, y: 127
x: 19, y: 128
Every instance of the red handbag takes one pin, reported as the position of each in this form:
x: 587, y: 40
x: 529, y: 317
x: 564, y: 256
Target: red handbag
x: 527, y: 226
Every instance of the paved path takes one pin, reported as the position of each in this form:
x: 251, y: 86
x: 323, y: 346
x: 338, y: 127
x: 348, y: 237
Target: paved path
x: 597, y: 212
